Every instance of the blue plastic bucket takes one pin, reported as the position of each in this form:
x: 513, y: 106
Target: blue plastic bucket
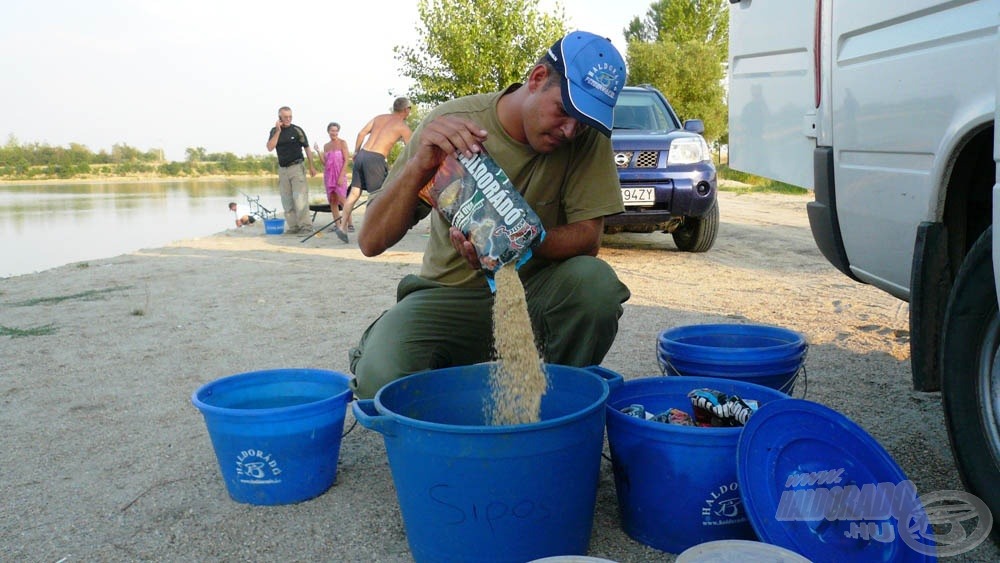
x: 274, y: 226
x: 276, y: 433
x: 469, y: 491
x: 766, y: 355
x: 677, y: 485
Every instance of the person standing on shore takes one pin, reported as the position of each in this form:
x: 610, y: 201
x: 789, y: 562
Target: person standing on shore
x: 290, y: 140
x: 335, y: 155
x: 370, y: 168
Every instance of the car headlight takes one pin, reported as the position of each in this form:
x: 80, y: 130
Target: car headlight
x: 687, y: 150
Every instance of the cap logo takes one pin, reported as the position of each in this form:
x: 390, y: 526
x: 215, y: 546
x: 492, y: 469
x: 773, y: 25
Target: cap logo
x: 603, y: 77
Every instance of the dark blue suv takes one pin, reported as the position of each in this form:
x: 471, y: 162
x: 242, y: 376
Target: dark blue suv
x: 667, y: 176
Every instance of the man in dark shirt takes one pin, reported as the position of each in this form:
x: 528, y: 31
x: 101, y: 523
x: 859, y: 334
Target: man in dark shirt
x: 290, y: 140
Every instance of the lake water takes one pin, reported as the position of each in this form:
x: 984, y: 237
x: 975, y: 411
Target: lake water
x: 47, y: 225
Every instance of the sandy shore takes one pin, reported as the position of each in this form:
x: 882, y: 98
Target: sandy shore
x: 105, y: 459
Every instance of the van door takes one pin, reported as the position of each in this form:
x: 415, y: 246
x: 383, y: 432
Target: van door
x: 773, y: 89
x: 908, y: 87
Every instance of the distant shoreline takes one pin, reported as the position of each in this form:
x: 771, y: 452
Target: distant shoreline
x: 136, y: 179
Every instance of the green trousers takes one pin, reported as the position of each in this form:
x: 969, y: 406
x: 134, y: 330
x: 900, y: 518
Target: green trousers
x: 574, y: 307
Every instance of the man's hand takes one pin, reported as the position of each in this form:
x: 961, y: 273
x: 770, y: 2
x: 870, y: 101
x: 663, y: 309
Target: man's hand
x: 391, y: 214
x: 278, y: 125
x: 443, y: 136
x: 312, y: 169
x: 465, y: 248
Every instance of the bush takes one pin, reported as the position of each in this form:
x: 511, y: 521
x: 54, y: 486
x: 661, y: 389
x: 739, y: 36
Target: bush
x: 756, y: 183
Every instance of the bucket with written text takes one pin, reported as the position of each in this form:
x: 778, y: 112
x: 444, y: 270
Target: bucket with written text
x: 276, y: 433
x: 274, y: 226
x: 470, y: 491
x: 677, y: 485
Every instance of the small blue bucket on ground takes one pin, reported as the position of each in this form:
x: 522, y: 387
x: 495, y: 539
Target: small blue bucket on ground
x: 469, y: 491
x: 766, y: 355
x: 274, y: 226
x: 677, y: 485
x: 276, y: 433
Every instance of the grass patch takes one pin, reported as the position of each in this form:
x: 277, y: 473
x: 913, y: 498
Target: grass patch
x: 756, y: 183
x: 43, y: 330
x: 91, y: 294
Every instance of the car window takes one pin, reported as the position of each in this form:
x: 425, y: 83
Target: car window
x: 643, y: 110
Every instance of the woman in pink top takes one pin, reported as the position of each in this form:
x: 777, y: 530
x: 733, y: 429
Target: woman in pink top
x: 335, y: 156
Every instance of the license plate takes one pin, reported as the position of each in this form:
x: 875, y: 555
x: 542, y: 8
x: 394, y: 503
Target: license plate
x: 638, y: 196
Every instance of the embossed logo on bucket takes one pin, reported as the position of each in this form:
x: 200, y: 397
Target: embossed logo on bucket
x: 723, y: 506
x: 257, y: 468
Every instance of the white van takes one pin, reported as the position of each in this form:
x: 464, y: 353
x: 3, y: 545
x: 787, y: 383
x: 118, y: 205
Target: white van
x: 886, y: 110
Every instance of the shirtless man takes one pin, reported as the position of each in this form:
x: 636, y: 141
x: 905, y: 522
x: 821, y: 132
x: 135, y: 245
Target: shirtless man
x: 370, y: 169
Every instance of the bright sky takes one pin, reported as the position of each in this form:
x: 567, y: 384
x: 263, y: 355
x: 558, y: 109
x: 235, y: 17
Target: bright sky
x: 174, y: 74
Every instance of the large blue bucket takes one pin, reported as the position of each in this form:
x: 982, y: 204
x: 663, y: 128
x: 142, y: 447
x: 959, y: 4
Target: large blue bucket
x: 276, y: 433
x: 469, y: 491
x: 677, y: 485
x: 766, y: 355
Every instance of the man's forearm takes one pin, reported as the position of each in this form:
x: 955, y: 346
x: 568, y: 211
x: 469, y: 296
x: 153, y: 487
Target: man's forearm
x: 576, y: 239
x: 391, y: 213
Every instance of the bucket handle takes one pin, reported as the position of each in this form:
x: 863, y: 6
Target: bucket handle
x: 613, y: 378
x: 789, y: 386
x: 666, y: 367
x: 365, y: 413
x: 793, y: 381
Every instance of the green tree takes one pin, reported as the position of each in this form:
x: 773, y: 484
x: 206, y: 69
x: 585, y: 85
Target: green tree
x: 681, y: 47
x: 123, y: 153
x: 79, y: 154
x: 474, y: 46
x: 229, y: 162
x: 152, y: 155
x: 680, y: 21
x: 195, y: 154
x: 689, y: 76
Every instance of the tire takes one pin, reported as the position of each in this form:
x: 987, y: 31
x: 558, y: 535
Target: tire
x: 970, y: 374
x: 697, y: 234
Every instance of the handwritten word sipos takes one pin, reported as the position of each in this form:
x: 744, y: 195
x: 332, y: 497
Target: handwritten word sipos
x: 489, y: 512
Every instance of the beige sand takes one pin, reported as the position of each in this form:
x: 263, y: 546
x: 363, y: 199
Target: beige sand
x: 105, y: 459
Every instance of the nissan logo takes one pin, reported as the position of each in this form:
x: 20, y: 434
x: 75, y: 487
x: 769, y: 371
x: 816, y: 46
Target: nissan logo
x: 621, y: 159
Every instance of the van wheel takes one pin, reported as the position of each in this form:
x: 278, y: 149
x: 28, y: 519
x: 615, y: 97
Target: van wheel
x: 970, y: 373
x: 697, y: 234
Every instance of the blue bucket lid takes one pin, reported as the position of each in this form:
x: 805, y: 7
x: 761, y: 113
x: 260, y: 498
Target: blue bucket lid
x: 796, y: 458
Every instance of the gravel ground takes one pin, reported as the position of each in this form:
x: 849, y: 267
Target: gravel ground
x: 105, y: 459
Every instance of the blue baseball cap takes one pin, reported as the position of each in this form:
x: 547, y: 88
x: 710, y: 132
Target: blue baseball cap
x: 593, y: 75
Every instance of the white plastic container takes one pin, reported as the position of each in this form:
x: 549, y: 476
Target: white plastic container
x: 738, y: 551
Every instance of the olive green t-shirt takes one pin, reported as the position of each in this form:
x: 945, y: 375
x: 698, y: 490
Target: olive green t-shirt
x: 576, y: 182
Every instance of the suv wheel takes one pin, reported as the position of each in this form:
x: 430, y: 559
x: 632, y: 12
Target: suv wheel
x: 697, y: 234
